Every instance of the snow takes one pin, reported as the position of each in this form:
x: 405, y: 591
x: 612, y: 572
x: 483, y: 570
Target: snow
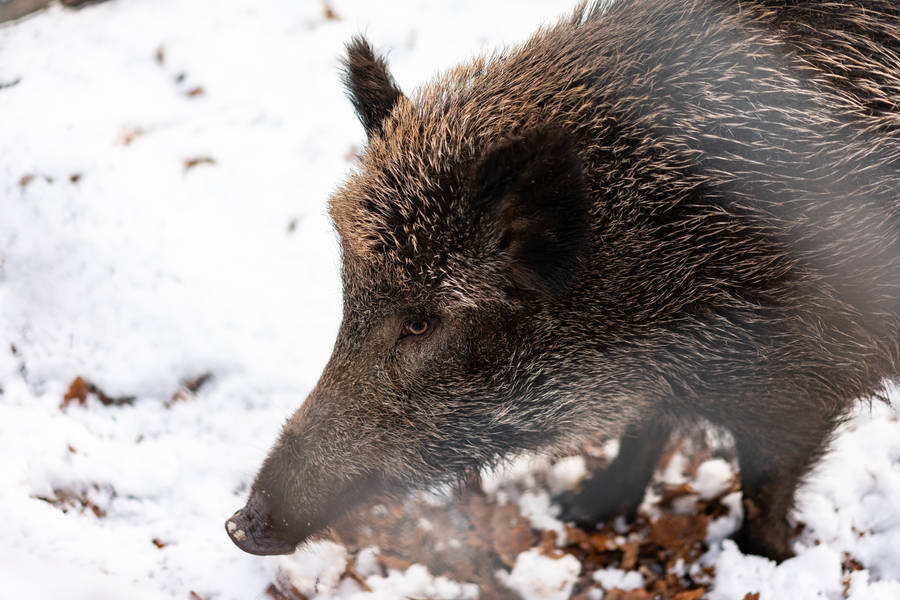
x: 315, y: 567
x: 713, y: 478
x: 537, y: 507
x: 416, y: 582
x: 812, y: 574
x: 121, y: 264
x: 506, y: 480
x: 852, y: 502
x: 566, y: 473
x: 367, y: 561
x: 539, y: 577
x: 721, y: 528
x: 861, y: 589
x: 617, y: 578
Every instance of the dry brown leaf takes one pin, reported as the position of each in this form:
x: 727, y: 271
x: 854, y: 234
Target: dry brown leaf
x: 603, y: 541
x: 679, y: 534
x: 690, y: 594
x: 578, y: 537
x: 352, y: 574
x: 81, y: 388
x: 130, y: 134
x: 79, y: 499
x: 548, y: 546
x: 190, y: 163
x: 329, y: 13
x: 850, y: 564
x: 78, y: 390
x: 673, y: 492
x: 619, y: 594
x: 630, y: 555
x: 511, y: 533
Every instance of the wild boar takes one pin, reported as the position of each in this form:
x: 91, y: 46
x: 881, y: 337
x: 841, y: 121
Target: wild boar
x: 656, y: 212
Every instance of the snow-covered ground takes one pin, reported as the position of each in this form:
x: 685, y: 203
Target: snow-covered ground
x: 163, y: 177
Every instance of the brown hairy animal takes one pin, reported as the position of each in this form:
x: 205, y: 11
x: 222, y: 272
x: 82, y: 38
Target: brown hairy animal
x: 654, y: 213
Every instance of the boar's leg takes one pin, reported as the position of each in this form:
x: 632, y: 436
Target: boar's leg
x: 773, y: 457
x: 619, y: 488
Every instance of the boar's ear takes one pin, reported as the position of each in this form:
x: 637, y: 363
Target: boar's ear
x: 369, y: 85
x: 533, y: 184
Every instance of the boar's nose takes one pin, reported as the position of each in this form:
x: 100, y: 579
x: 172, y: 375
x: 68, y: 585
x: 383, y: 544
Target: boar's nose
x: 252, y: 530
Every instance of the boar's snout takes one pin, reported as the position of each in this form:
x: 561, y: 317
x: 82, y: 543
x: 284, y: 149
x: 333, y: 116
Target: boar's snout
x: 254, y: 530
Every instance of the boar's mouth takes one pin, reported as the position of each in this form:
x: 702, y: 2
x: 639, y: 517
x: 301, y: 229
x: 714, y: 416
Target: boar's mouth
x: 254, y: 531
x: 259, y: 529
x: 259, y: 541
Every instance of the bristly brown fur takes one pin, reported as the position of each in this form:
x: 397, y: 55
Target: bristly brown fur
x: 592, y: 74
x: 654, y: 212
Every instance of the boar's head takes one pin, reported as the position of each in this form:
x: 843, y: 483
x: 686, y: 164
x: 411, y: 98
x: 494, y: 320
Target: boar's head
x: 463, y: 233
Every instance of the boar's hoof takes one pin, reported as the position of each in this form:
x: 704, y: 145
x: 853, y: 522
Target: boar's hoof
x: 250, y: 532
x: 582, y: 512
x: 769, y: 539
x: 588, y: 508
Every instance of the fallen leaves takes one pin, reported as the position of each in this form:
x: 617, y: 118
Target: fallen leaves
x: 193, y: 384
x: 80, y: 500
x: 630, y: 554
x: 329, y: 13
x: 510, y: 533
x: 28, y: 178
x: 618, y: 594
x: 359, y: 579
x: 189, y: 387
x: 848, y: 566
x: 680, y: 536
x: 652, y: 549
x: 190, y: 163
x: 473, y: 536
x: 694, y: 594
x: 80, y: 389
x: 129, y: 134
x: 467, y: 540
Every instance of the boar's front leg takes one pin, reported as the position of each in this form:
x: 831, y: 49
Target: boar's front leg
x: 620, y: 487
x: 775, y: 451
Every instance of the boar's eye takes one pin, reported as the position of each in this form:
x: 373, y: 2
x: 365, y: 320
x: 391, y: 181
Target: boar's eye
x: 415, y: 327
